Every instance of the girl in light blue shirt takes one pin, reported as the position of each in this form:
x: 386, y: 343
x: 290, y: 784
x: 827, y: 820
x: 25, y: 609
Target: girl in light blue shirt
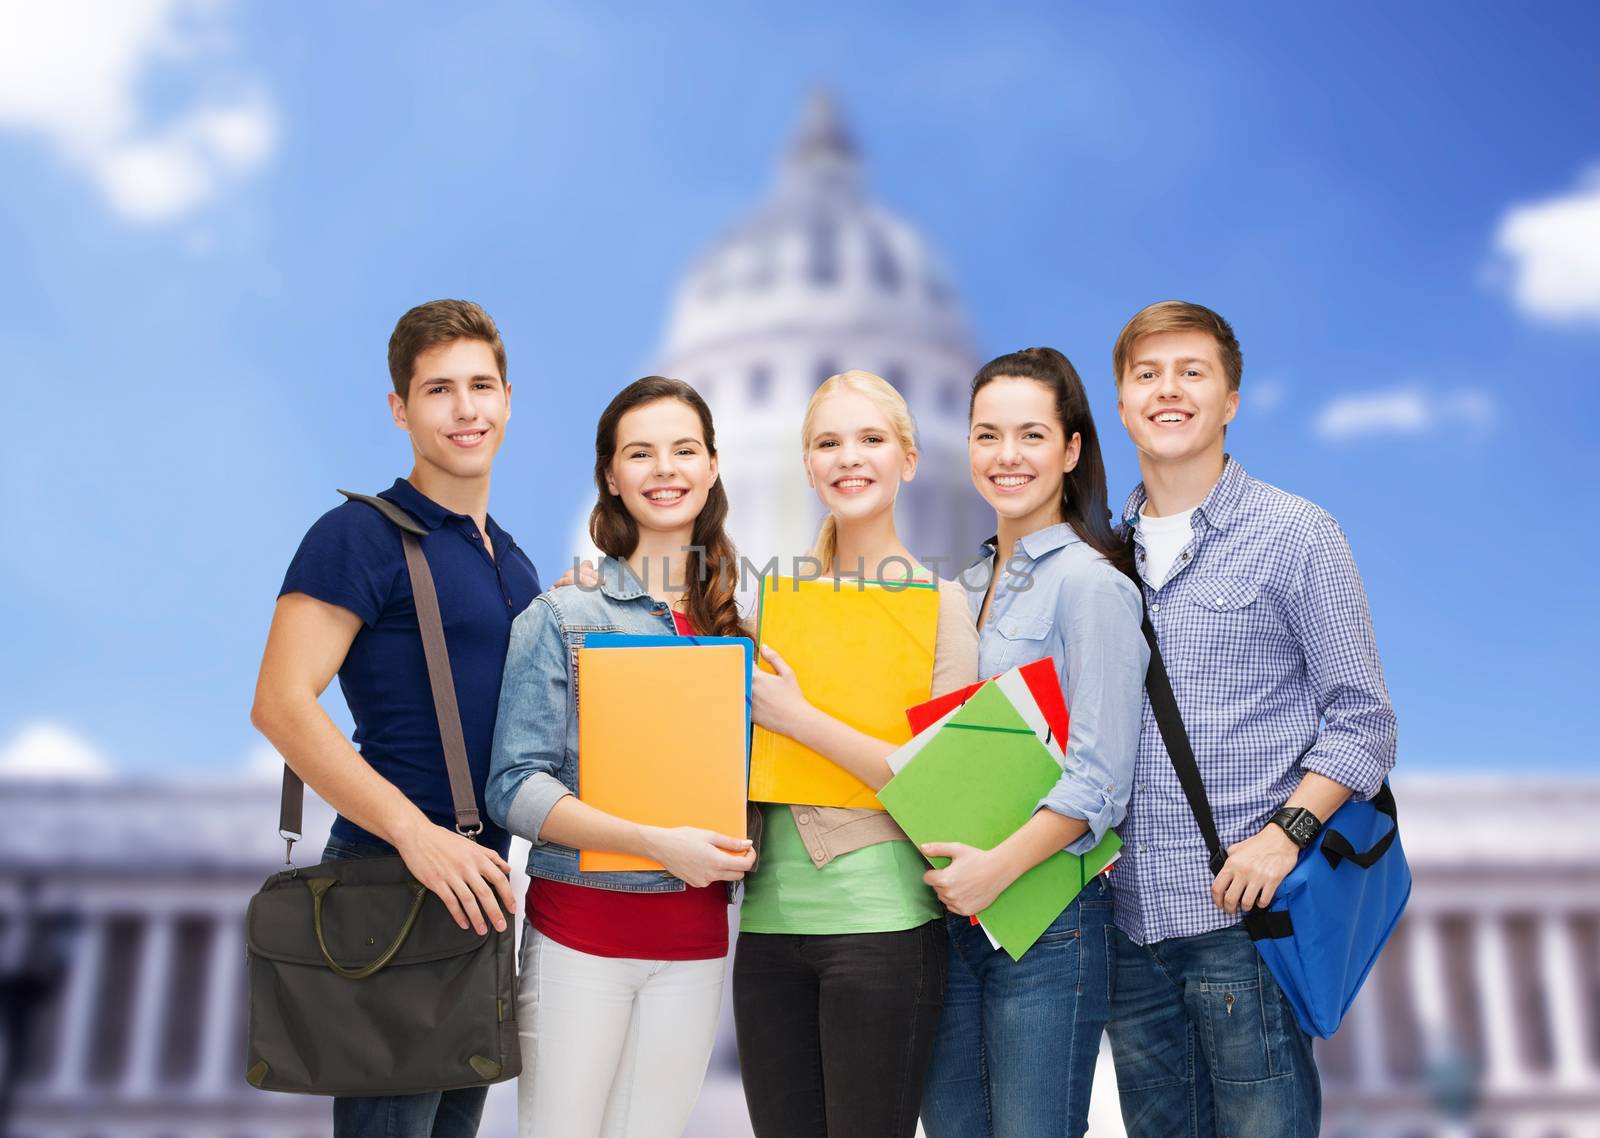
x: 1015, y: 1052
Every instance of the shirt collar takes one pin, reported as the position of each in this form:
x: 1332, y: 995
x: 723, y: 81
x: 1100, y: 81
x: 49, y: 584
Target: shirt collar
x: 431, y: 514
x: 618, y: 581
x: 1037, y: 543
x: 1217, y: 508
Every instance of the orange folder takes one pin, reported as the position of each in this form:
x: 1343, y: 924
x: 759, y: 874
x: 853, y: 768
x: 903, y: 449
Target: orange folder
x: 661, y: 740
x: 863, y: 652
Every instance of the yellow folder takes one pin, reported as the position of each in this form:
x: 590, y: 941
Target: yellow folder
x: 863, y: 652
x: 661, y: 740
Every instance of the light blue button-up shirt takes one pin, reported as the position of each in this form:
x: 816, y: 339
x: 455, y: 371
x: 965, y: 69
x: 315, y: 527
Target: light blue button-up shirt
x: 1058, y: 597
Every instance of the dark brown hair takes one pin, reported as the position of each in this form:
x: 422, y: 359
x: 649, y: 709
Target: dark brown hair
x: 1083, y: 491
x: 1180, y: 316
x: 710, y: 583
x: 439, y: 322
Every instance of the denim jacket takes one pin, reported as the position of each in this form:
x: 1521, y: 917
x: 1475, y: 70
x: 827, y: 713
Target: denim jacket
x: 1058, y: 597
x: 534, y: 763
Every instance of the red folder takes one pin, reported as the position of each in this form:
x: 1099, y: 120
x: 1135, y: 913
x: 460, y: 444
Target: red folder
x: 1040, y: 676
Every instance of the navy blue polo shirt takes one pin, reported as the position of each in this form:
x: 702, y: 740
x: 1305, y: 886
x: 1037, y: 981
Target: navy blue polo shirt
x: 352, y: 557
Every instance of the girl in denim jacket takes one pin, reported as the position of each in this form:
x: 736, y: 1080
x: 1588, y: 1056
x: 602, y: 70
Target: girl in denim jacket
x: 621, y: 973
x: 1017, y: 1042
x: 840, y: 972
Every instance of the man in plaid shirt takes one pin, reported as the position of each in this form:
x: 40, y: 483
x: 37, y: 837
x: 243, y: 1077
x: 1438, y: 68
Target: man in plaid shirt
x: 1264, y: 627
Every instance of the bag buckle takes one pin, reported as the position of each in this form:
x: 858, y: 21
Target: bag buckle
x: 469, y: 831
x: 289, y: 839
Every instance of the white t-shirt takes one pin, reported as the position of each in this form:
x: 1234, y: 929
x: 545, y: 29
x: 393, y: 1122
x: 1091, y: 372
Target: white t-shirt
x: 1164, y: 539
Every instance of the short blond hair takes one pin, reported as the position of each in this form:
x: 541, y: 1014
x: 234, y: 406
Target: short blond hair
x: 884, y: 396
x: 1180, y: 316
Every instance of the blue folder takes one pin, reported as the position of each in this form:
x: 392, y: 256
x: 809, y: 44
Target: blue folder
x: 628, y: 640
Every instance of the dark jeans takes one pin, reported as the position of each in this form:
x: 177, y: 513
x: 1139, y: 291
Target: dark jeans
x: 835, y: 1031
x: 439, y: 1114
x: 1018, y: 1040
x: 1205, y: 1043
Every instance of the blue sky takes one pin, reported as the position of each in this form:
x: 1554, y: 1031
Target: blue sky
x: 212, y: 218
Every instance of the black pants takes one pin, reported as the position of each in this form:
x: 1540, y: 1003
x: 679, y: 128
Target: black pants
x: 835, y: 1032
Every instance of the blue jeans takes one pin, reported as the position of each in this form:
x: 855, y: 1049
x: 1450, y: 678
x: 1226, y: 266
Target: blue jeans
x: 1014, y: 1057
x: 438, y: 1114
x: 1205, y: 1043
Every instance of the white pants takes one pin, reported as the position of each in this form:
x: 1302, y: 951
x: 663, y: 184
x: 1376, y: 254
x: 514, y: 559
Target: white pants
x: 611, y: 1048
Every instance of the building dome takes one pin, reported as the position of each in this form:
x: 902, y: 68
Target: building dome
x: 819, y: 280
x: 821, y: 250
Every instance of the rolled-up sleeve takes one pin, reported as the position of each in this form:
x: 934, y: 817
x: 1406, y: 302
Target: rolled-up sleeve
x: 1355, y: 744
x: 530, y: 731
x: 1103, y: 680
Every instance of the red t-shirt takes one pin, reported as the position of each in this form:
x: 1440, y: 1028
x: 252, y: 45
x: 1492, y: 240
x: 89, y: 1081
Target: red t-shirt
x: 691, y: 925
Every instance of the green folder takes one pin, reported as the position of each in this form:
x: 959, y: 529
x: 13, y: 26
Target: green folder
x: 977, y: 781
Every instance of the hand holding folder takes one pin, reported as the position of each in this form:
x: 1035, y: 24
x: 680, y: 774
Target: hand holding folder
x: 662, y: 729
x: 863, y: 652
x: 976, y: 776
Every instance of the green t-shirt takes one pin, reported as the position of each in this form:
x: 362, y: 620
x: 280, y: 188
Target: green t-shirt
x: 875, y: 889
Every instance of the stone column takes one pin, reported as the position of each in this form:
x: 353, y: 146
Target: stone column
x: 1425, y: 961
x: 1564, y: 1000
x: 147, y: 1039
x: 1371, y: 1047
x: 79, y: 1009
x: 221, y: 1061
x: 1504, y: 1070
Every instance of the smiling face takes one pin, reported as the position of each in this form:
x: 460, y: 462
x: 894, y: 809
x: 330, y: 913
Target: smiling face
x: 1020, y: 456
x: 456, y: 408
x: 854, y: 457
x: 661, y: 468
x: 1174, y: 399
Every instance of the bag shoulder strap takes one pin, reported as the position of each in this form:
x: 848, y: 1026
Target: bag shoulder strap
x: 434, y: 648
x: 1261, y: 924
x: 1165, y: 706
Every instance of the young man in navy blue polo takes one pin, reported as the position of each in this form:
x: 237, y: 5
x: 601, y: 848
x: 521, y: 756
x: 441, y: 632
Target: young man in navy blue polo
x: 346, y: 608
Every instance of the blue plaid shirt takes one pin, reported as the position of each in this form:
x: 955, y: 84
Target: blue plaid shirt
x: 1267, y: 638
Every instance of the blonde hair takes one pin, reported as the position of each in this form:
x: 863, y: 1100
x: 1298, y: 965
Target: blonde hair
x: 1180, y: 316
x: 883, y: 396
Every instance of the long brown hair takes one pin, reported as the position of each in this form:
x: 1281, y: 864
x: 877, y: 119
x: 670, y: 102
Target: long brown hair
x: 1083, y: 490
x: 711, y: 583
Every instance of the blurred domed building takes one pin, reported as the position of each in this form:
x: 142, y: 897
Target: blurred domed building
x: 818, y: 280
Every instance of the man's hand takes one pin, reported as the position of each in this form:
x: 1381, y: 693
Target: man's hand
x: 776, y: 701
x: 972, y: 880
x: 466, y: 876
x: 698, y: 857
x: 1254, y: 870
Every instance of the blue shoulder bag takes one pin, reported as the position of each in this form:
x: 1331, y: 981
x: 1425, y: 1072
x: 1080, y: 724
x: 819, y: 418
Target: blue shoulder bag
x: 1334, y: 912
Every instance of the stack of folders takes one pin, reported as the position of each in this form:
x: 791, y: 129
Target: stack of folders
x: 662, y: 728
x: 975, y: 775
x: 862, y: 651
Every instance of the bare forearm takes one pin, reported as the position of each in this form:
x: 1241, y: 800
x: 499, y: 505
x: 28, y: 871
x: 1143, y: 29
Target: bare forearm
x: 318, y: 752
x: 577, y: 824
x: 1320, y: 795
x: 856, y: 751
x: 1044, y: 834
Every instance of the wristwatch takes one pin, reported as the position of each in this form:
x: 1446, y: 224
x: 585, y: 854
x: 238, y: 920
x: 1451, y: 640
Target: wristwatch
x: 1299, y: 823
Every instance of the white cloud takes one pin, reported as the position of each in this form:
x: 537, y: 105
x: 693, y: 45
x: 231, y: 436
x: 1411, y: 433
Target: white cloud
x: 1551, y: 252
x: 51, y: 751
x: 1402, y: 411
x: 73, y: 71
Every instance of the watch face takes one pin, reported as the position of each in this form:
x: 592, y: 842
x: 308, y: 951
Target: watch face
x: 1303, y: 828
